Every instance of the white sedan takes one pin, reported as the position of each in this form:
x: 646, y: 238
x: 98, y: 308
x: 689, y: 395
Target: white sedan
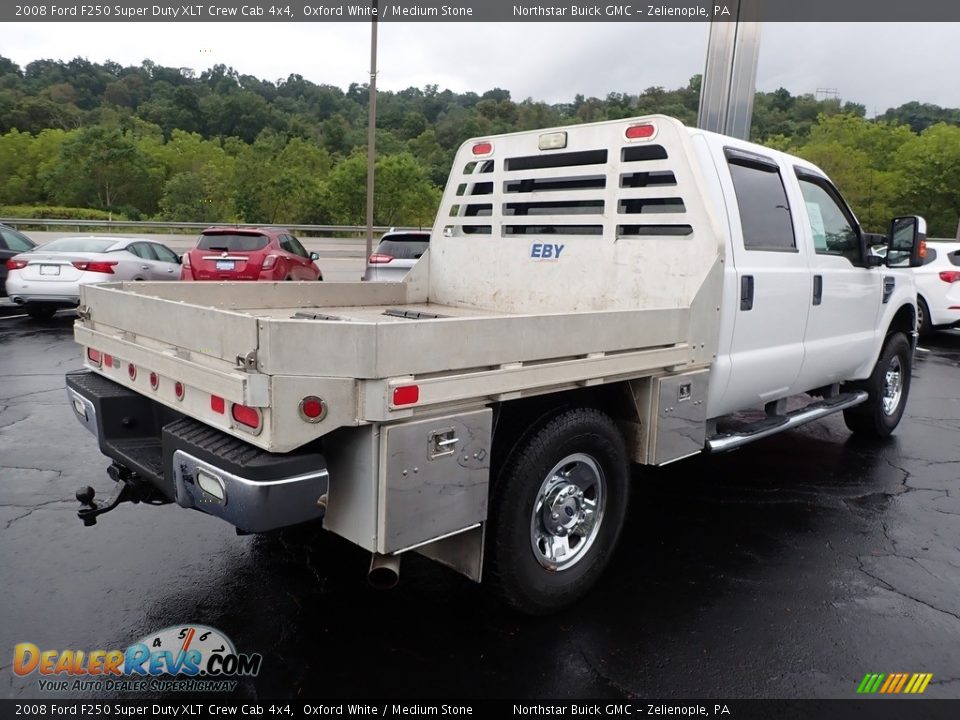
x: 49, y: 277
x: 938, y: 287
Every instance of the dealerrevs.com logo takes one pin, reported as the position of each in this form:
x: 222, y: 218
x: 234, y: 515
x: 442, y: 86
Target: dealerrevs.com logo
x: 181, y: 658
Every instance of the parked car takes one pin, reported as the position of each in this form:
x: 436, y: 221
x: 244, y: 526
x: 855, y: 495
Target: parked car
x: 11, y: 243
x: 49, y: 277
x: 938, y: 287
x: 249, y: 253
x: 397, y: 252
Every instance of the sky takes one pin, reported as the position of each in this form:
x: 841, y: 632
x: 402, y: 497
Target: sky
x: 879, y: 65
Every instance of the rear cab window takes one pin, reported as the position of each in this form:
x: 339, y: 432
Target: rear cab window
x: 233, y: 242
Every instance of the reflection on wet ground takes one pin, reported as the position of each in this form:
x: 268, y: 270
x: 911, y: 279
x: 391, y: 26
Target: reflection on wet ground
x: 787, y: 569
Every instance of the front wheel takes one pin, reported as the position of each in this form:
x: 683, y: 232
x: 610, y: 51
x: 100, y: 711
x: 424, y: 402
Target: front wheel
x: 557, y: 510
x: 887, y: 388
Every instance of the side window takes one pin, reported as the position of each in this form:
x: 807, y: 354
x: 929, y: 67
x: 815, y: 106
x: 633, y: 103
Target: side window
x: 834, y: 233
x: 286, y: 244
x: 14, y: 241
x: 143, y: 250
x: 164, y: 254
x: 298, y: 248
x: 764, y: 210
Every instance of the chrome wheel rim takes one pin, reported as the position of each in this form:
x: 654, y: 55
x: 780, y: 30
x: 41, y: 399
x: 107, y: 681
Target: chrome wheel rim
x: 892, y: 386
x: 568, y: 512
x: 921, y: 316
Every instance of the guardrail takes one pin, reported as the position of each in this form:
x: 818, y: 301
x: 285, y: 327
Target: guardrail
x: 140, y: 225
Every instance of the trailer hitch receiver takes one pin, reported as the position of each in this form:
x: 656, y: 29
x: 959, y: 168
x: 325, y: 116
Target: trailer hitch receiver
x: 130, y: 488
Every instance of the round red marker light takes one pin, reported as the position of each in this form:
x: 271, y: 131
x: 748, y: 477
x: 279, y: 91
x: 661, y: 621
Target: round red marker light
x: 313, y: 409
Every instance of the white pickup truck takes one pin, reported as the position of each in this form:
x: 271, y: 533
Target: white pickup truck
x: 594, y: 295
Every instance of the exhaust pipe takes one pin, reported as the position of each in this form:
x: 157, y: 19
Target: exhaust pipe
x: 18, y: 301
x: 384, y: 573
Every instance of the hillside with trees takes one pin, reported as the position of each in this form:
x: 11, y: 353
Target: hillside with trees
x: 156, y: 142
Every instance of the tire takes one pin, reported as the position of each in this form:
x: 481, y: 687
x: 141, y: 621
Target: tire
x: 888, y: 387
x: 923, y: 319
x: 577, y: 462
x: 41, y: 312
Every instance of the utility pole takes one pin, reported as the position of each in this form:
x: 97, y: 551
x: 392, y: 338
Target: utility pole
x: 371, y: 129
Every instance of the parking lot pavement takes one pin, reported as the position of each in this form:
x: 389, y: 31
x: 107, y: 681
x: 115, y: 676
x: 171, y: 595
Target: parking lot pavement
x: 788, y: 569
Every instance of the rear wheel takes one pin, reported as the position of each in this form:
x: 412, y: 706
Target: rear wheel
x: 888, y: 387
x: 557, y: 510
x: 923, y: 319
x: 41, y: 312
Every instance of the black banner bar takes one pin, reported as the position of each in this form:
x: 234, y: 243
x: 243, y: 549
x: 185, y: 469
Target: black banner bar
x: 285, y: 11
x: 193, y: 709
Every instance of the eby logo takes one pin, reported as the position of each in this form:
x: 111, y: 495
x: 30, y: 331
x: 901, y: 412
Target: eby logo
x: 192, y: 650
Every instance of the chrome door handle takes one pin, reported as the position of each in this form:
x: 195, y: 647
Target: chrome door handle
x: 144, y: 267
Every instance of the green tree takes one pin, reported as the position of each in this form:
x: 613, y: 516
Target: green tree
x: 930, y: 164
x: 403, y: 194
x: 103, y: 168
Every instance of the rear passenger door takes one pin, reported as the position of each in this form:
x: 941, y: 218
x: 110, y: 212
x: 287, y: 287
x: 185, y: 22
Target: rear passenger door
x: 847, y: 296
x: 773, y: 283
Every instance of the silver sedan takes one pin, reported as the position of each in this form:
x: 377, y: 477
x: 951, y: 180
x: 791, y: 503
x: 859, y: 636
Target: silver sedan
x: 49, y: 277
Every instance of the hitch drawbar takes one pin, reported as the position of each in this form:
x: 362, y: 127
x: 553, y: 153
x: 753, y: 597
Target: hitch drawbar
x: 129, y: 488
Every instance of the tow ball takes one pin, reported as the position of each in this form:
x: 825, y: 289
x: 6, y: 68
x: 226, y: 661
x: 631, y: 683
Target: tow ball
x: 129, y: 488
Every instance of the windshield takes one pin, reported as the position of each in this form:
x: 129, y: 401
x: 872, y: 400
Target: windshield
x: 232, y: 242
x: 92, y: 245
x: 404, y: 247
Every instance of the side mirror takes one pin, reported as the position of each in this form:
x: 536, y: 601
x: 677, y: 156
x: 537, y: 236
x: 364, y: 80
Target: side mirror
x: 314, y: 256
x: 179, y: 259
x: 907, y: 242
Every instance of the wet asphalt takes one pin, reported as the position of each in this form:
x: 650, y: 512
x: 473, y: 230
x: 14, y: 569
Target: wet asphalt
x: 788, y: 569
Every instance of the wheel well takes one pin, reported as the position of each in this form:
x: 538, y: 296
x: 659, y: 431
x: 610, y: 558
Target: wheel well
x: 905, y: 321
x: 513, y: 420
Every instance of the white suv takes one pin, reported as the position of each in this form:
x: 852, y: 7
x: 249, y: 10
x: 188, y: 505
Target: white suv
x: 938, y: 287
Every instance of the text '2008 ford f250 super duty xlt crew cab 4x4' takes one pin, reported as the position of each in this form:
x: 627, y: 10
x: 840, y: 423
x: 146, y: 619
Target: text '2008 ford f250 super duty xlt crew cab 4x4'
x: 593, y: 295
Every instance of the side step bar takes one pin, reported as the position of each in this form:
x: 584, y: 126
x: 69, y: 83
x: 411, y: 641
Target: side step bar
x: 801, y: 416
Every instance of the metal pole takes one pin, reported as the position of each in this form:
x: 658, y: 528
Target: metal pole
x: 371, y: 129
x: 729, y: 77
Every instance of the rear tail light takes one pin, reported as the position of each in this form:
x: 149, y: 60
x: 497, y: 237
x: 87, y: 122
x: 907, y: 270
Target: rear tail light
x: 96, y: 266
x: 14, y: 264
x: 950, y: 276
x: 185, y: 260
x: 313, y: 409
x: 380, y: 259
x: 482, y: 148
x: 641, y: 132
x: 94, y: 356
x: 108, y: 360
x: 154, y: 381
x: 132, y: 371
x: 406, y: 395
x: 178, y: 390
x: 246, y: 416
x: 217, y: 404
x: 268, y: 262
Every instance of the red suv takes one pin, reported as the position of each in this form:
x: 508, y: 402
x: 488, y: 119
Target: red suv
x: 242, y: 253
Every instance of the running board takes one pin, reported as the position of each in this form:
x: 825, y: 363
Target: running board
x: 772, y: 426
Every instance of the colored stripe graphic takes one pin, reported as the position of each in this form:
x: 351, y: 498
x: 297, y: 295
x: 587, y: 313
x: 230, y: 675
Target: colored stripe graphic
x: 912, y: 683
